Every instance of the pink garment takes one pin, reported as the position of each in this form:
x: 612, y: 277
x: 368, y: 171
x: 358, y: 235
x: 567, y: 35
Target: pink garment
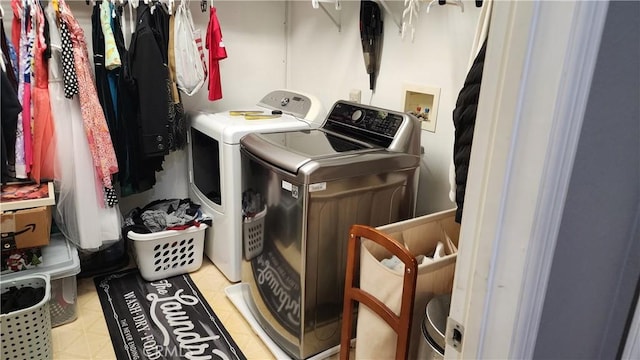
x: 26, y: 127
x: 20, y: 167
x: 43, y: 128
x: 217, y: 52
x: 95, y: 124
x: 15, y: 25
x: 26, y: 105
x: 27, y: 109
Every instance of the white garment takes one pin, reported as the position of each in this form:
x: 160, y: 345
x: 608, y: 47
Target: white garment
x: 80, y: 211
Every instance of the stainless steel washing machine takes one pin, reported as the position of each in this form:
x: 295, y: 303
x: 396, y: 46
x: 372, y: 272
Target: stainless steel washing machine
x: 361, y: 167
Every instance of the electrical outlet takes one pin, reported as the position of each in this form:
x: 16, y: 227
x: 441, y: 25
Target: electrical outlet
x: 355, y: 95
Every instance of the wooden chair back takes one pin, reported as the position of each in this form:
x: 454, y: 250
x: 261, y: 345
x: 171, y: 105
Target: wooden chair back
x: 401, y: 324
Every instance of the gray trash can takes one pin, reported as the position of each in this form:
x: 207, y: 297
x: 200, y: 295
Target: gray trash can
x: 434, y: 325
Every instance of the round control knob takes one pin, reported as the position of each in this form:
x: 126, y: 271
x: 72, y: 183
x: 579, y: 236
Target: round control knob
x: 284, y: 101
x: 356, y: 116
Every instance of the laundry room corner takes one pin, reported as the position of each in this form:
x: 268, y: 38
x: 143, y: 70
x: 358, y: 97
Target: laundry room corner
x: 328, y: 62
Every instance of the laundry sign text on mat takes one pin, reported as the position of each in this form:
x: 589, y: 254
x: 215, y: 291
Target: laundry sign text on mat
x: 162, y: 319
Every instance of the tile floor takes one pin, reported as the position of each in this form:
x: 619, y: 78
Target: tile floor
x: 88, y: 337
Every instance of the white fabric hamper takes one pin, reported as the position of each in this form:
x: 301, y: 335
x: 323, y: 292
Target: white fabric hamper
x: 374, y: 338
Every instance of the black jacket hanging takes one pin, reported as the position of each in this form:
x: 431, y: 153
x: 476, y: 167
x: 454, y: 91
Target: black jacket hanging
x: 7, y: 59
x: 10, y: 108
x: 464, y: 120
x: 136, y: 175
x: 151, y: 75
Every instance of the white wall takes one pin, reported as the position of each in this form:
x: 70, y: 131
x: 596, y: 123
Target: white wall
x: 312, y: 56
x: 328, y: 64
x: 254, y: 36
x: 321, y: 61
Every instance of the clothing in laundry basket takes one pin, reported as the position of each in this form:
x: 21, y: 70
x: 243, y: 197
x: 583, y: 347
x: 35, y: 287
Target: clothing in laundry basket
x: 20, y: 298
x: 160, y: 215
x: 394, y: 263
x: 251, y: 203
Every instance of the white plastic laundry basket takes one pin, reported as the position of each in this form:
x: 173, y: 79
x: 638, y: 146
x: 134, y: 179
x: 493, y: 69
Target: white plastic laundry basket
x: 26, y: 333
x: 168, y: 253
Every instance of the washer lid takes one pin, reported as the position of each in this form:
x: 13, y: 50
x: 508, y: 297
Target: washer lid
x: 291, y: 150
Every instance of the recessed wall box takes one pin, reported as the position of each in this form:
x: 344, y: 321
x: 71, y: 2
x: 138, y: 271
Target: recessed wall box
x: 422, y: 101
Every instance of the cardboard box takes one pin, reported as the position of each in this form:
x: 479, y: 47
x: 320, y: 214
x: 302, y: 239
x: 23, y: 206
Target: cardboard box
x: 26, y: 228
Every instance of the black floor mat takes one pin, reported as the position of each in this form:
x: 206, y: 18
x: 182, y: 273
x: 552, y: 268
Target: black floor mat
x: 163, y: 319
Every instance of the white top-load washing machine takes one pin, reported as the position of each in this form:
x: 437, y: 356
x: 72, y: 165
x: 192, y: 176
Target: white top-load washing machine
x: 360, y: 167
x: 215, y: 168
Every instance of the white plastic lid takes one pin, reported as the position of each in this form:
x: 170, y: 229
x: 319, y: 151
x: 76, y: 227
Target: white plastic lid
x: 59, y: 260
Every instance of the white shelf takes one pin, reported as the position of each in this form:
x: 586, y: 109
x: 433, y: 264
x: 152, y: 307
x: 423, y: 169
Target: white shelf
x: 29, y: 203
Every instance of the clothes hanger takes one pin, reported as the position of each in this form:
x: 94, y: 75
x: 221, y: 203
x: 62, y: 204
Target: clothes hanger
x: 133, y: 4
x: 445, y: 2
x: 412, y: 9
x: 170, y: 4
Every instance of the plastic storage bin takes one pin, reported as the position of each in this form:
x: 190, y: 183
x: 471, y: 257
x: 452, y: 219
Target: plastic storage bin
x: 168, y: 253
x: 26, y: 333
x: 61, y: 262
x: 253, y: 234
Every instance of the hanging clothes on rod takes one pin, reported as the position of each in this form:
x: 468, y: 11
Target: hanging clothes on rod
x: 80, y: 212
x: 95, y: 124
x: 22, y: 27
x: 9, y: 109
x: 177, y: 117
x: 217, y: 52
x: 10, y: 57
x: 43, y: 127
x: 149, y: 77
x: 100, y: 18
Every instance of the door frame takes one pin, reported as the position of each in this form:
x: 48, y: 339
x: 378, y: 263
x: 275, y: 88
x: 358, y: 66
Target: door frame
x: 536, y: 80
